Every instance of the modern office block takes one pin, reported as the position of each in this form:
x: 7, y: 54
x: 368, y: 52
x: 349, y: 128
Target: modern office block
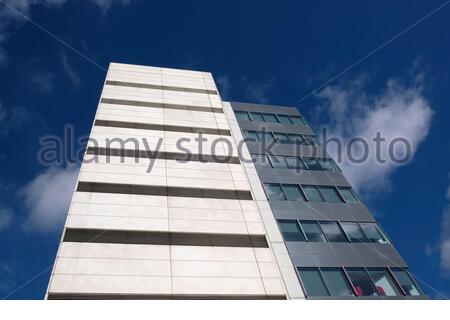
x: 173, y: 203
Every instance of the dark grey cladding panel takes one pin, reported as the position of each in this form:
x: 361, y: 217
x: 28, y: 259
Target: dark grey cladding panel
x: 288, y: 150
x: 264, y: 108
x: 320, y: 211
x: 277, y: 127
x: 345, y: 255
x: 325, y: 178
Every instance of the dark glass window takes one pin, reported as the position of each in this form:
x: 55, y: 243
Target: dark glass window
x: 281, y: 137
x: 293, y: 192
x: 261, y: 160
x: 296, y: 138
x: 311, y: 140
x: 361, y: 282
x: 284, y: 119
x: 298, y: 120
x: 312, y: 231
x: 274, y: 191
x: 336, y: 282
x: 266, y: 136
x: 353, y: 232
x: 256, y: 116
x: 295, y: 163
x: 269, y: 117
x: 333, y: 231
x: 384, y: 282
x: 312, y: 163
x: 313, y: 282
x: 278, y: 161
x: 312, y: 193
x: 327, y: 164
x: 291, y: 230
x: 251, y: 135
x: 348, y: 195
x: 373, y: 233
x: 242, y: 115
x: 406, y: 281
x: 330, y: 194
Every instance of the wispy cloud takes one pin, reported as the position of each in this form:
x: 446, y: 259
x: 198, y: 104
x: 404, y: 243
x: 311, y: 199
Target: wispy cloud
x: 68, y: 69
x: 7, y: 278
x: 5, y: 218
x: 224, y: 84
x: 43, y: 81
x: 399, y: 111
x: 444, y: 244
x: 12, y: 119
x: 257, y: 91
x: 47, y: 198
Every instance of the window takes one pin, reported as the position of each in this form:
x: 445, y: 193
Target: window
x: 311, y: 140
x: 384, y: 282
x: 361, y: 282
x: 312, y: 164
x: 261, y: 160
x: 256, y: 116
x: 293, y: 192
x: 333, y: 231
x: 268, y: 117
x: 278, y: 161
x: 295, y: 163
x: 242, y: 115
x: 291, y: 230
x: 353, y: 232
x: 274, y: 191
x: 406, y: 281
x: 284, y: 119
x: 348, y: 195
x: 266, y: 136
x: 298, y: 120
x: 373, y: 233
x: 313, y: 282
x: 330, y: 194
x: 281, y: 137
x: 328, y: 164
x: 251, y: 136
x: 312, y: 231
x: 312, y: 193
x: 296, y: 138
x: 336, y: 282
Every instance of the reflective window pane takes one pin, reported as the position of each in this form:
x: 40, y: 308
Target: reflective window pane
x: 312, y: 231
x: 327, y: 164
x: 274, y: 191
x: 312, y: 281
x: 337, y: 282
x: 312, y: 193
x: 353, y: 232
x: 312, y: 163
x: 311, y: 140
x: 373, y: 233
x: 293, y: 192
x: 297, y: 120
x: 269, y: 117
x: 242, y: 115
x: 348, y: 195
x: 266, y: 136
x: 291, y: 230
x: 261, y: 160
x: 330, y: 194
x: 281, y: 137
x: 406, y: 282
x: 250, y: 135
x: 256, y: 116
x: 361, y: 282
x: 296, y: 138
x: 278, y: 161
x: 383, y: 282
x: 295, y: 163
x: 333, y: 231
x: 284, y: 119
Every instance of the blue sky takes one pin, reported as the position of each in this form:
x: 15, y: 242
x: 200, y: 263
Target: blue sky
x: 274, y: 53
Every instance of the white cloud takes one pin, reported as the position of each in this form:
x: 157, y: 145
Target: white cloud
x: 47, y: 198
x: 399, y: 111
x: 224, y: 84
x: 70, y: 71
x: 5, y: 218
x: 257, y: 91
x: 43, y: 81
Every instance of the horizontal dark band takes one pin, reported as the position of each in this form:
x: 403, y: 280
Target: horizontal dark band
x: 160, y: 127
x: 163, y: 191
x: 154, y: 86
x: 162, y: 155
x: 165, y: 238
x: 102, y: 296
x: 137, y: 103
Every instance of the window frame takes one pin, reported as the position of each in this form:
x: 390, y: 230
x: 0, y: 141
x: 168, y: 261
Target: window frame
x: 317, y: 189
x: 256, y: 112
x: 270, y: 114
x: 274, y: 184
x: 299, y: 189
x: 351, y: 191
x: 298, y: 226
x: 236, y: 112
